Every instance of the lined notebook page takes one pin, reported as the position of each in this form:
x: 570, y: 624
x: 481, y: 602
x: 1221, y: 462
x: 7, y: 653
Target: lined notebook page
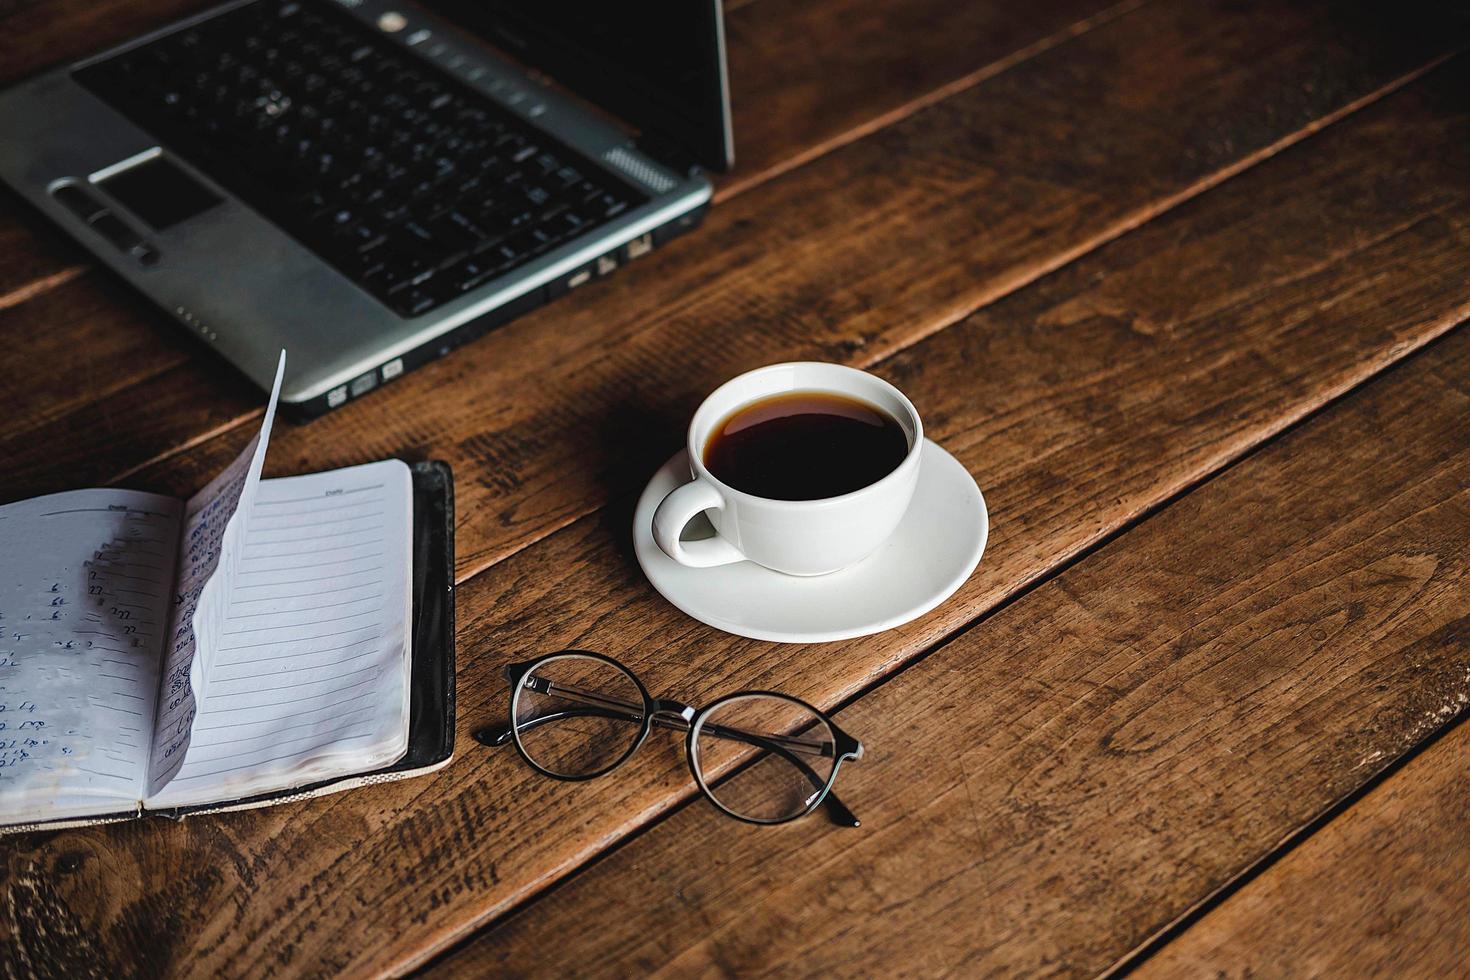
x: 85, y: 581
x: 208, y: 554
x: 309, y: 678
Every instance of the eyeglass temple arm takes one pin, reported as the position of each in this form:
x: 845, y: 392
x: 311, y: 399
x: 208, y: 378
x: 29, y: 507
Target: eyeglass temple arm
x: 498, y: 735
x: 572, y: 693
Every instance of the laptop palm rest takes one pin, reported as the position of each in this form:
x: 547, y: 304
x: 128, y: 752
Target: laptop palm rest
x: 158, y: 191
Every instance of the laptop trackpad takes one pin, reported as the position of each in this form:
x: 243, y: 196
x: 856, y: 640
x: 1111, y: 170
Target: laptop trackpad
x: 159, y: 192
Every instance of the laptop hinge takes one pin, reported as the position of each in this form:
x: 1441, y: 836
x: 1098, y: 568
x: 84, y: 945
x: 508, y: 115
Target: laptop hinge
x: 669, y: 153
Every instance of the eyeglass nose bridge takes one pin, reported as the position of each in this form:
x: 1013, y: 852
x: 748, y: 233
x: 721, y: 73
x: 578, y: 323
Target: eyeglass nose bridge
x: 663, y: 708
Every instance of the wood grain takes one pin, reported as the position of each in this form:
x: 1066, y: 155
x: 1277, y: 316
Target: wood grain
x: 73, y: 351
x: 101, y: 372
x: 1079, y: 403
x: 1051, y: 788
x: 34, y: 257
x: 1380, y: 891
x: 41, y: 33
x: 853, y: 257
x: 788, y: 108
x: 812, y: 76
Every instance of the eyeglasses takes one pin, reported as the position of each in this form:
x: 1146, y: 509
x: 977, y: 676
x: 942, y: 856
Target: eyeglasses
x: 760, y: 756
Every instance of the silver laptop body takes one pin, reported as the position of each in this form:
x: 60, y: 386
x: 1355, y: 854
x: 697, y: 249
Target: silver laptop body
x: 248, y: 288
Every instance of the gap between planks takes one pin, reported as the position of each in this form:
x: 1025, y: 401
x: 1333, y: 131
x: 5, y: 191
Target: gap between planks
x: 729, y: 190
x: 38, y: 287
x: 1161, y: 939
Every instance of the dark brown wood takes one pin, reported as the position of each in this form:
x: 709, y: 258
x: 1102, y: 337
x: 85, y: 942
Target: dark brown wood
x: 1380, y: 891
x: 1080, y: 404
x: 100, y: 369
x: 34, y: 258
x: 816, y: 75
x: 41, y: 33
x: 862, y: 253
x: 1053, y: 787
x: 79, y: 346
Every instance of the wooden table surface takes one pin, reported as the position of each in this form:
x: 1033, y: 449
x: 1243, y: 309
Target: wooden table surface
x: 1181, y: 283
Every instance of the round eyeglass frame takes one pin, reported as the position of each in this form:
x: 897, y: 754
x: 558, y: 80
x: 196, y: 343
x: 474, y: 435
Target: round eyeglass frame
x: 845, y: 746
x: 691, y: 755
x: 518, y: 687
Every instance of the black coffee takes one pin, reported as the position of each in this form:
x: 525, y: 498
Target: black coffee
x: 805, y: 445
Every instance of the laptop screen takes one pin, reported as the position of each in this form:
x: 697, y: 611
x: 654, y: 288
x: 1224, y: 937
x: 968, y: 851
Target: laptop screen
x: 657, y: 64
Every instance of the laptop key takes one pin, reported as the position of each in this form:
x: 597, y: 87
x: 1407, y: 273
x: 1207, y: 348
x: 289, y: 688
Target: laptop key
x: 470, y: 273
x: 418, y: 234
x: 461, y: 223
x: 514, y: 248
x: 572, y: 223
x: 415, y: 302
x: 383, y: 278
x: 365, y: 237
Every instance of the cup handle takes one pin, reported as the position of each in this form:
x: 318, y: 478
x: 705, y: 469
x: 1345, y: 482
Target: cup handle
x: 675, y: 511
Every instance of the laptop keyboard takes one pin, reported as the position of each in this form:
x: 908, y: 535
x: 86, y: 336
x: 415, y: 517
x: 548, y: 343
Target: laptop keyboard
x: 410, y: 183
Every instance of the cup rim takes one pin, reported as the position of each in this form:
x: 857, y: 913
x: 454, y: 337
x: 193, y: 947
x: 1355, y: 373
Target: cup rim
x: 909, y: 462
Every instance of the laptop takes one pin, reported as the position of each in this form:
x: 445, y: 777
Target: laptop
x: 371, y: 183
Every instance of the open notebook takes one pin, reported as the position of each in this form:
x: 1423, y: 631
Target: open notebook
x: 234, y: 649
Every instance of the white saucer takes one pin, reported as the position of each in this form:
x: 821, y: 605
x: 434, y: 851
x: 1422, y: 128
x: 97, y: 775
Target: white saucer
x: 936, y: 547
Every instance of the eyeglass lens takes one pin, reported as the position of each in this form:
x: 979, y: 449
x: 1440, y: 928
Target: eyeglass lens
x: 586, y: 721
x: 780, y: 753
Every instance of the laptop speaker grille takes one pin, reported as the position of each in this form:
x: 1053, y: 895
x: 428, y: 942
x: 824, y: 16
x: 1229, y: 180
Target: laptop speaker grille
x: 638, y: 170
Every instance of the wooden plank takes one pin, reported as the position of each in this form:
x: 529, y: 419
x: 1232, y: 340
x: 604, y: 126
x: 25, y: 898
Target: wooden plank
x: 867, y: 251
x: 801, y: 78
x: 1056, y: 785
x: 1079, y: 403
x: 812, y: 76
x: 79, y: 345
x: 34, y: 257
x: 1380, y: 891
x: 101, y: 370
x: 163, y: 413
x: 40, y: 33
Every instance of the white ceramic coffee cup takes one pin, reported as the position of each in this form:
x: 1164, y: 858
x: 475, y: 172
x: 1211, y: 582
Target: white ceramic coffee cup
x: 798, y: 537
